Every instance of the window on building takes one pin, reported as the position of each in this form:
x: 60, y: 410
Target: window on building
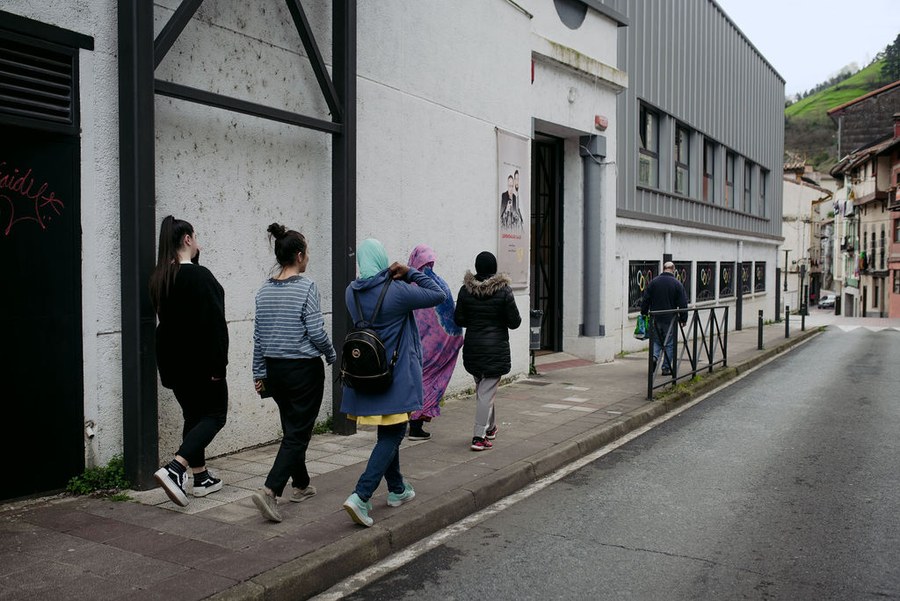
x: 729, y: 180
x: 872, y: 256
x: 865, y: 244
x: 682, y: 160
x: 763, y: 184
x: 709, y: 164
x: 881, y: 249
x: 896, y: 230
x: 897, y: 281
x: 648, y: 157
x: 748, y: 187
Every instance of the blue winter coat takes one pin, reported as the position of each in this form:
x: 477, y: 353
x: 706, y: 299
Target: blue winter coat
x: 405, y: 393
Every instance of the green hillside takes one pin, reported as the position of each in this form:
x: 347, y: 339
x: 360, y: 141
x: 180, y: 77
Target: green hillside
x: 809, y: 132
x: 855, y: 86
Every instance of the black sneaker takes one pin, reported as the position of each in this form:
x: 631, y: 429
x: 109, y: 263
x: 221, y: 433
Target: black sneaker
x: 206, y: 483
x: 173, y: 483
x: 418, y: 435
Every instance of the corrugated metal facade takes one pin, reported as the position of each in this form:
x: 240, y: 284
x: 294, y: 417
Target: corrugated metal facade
x: 688, y: 61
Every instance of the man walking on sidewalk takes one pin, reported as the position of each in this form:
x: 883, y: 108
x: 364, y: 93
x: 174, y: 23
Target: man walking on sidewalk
x: 664, y: 293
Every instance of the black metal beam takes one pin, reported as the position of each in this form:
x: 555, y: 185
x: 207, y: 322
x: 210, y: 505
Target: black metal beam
x: 343, y: 188
x: 137, y: 240
x: 176, y: 90
x: 173, y: 29
x: 43, y: 31
x: 315, y: 58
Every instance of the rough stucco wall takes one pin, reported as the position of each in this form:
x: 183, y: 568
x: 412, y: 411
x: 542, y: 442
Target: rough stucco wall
x: 101, y: 324
x: 430, y: 98
x: 596, y: 37
x: 232, y: 175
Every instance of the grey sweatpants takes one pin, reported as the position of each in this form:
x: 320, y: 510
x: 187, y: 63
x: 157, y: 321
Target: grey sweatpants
x: 485, y: 391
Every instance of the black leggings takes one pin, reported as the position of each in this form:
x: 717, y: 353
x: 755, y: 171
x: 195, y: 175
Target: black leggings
x: 297, y: 386
x: 204, y: 404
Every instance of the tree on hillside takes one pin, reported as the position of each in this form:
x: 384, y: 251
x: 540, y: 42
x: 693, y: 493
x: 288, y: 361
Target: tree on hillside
x: 890, y: 70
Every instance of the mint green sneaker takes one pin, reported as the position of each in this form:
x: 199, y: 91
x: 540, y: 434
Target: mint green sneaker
x: 398, y: 499
x: 359, y: 510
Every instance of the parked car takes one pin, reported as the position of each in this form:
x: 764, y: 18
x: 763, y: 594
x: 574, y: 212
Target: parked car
x: 827, y: 301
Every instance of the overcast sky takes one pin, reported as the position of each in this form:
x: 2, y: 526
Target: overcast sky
x: 808, y: 41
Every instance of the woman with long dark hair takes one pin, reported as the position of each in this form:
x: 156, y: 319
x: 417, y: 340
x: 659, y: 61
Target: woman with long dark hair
x: 191, y: 354
x: 289, y: 341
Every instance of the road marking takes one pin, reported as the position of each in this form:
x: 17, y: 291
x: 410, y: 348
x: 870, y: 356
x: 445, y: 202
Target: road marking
x: 401, y: 558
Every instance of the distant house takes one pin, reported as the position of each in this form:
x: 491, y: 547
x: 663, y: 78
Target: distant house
x: 867, y: 220
x: 802, y: 226
x: 866, y: 119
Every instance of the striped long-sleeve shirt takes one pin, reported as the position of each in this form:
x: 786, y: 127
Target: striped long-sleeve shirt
x: 289, y: 323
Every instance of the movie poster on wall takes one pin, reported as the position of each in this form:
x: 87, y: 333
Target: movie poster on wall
x: 513, y: 202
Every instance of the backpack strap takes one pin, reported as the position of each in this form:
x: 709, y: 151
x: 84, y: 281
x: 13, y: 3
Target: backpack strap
x: 396, y: 354
x: 362, y: 318
x: 384, y: 289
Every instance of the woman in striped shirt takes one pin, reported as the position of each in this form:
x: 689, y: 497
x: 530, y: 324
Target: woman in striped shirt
x: 289, y: 341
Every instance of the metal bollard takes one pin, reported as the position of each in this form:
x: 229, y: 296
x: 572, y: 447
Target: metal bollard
x: 787, y: 321
x: 759, y: 331
x: 803, y: 318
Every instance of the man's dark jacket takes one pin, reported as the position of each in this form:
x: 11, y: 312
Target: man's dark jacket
x: 664, y: 293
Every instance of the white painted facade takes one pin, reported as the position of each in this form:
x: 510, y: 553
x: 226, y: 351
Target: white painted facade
x: 797, y: 230
x: 435, y: 81
x: 647, y: 240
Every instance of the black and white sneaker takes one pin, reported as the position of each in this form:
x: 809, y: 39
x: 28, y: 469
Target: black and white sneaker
x: 205, y: 483
x: 173, y: 483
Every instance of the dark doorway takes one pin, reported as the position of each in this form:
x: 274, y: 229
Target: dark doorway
x: 40, y: 310
x: 546, y: 237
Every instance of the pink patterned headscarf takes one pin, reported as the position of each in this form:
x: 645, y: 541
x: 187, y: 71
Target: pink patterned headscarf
x: 441, y: 337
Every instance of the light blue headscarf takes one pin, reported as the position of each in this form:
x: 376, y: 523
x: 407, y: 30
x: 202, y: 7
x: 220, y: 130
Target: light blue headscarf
x: 371, y: 258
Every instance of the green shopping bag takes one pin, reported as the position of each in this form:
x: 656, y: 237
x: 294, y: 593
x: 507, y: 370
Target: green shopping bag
x: 641, y: 327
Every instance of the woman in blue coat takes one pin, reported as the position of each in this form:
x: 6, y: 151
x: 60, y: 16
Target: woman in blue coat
x: 396, y: 327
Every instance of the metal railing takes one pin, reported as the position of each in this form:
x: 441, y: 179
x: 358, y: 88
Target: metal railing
x: 703, y: 344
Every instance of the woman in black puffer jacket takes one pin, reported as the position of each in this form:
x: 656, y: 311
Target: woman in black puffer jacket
x: 487, y: 309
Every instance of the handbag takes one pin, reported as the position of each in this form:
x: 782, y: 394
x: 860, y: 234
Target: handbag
x: 641, y: 329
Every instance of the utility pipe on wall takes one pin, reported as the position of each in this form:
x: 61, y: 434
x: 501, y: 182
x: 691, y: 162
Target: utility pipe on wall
x: 593, y: 151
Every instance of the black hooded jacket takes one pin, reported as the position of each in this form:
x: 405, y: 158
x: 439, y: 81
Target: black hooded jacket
x: 487, y: 309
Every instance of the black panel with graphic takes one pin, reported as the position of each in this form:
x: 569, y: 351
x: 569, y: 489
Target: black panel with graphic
x: 683, y: 275
x: 746, y: 277
x: 726, y: 280
x: 639, y: 275
x: 40, y: 310
x: 706, y: 281
x: 759, y: 277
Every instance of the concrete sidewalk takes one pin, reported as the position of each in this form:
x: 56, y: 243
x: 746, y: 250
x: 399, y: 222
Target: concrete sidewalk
x: 220, y: 546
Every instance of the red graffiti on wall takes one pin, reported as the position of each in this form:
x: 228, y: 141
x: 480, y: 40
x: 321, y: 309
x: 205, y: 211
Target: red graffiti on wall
x: 28, y: 199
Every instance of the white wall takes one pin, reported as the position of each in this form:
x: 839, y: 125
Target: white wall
x: 797, y: 231
x: 636, y: 241
x: 435, y: 81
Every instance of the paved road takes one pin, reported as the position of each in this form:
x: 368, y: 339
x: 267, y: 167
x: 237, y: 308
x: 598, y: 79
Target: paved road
x: 784, y: 486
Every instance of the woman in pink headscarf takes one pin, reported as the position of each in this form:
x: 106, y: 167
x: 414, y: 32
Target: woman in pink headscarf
x: 441, y: 341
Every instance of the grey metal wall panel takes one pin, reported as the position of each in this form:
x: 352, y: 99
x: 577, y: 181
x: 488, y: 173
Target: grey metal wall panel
x: 688, y: 60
